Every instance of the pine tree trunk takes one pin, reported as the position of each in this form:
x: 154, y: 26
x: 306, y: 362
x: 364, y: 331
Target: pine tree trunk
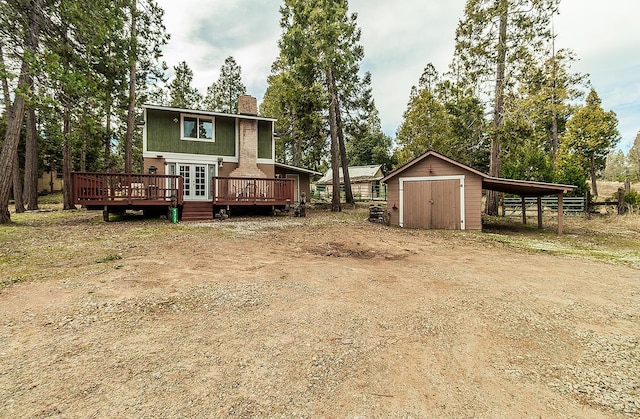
x: 68, y: 203
x: 333, y: 132
x: 128, y: 145
x: 31, y: 163
x: 16, y: 114
x: 17, y: 184
x: 107, y: 140
x: 594, y: 184
x: 343, y: 158
x: 495, y: 162
x: 8, y: 153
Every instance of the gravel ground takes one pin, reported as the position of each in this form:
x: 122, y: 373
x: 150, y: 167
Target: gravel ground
x: 312, y: 317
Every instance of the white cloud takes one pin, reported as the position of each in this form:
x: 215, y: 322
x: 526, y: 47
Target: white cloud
x: 399, y: 39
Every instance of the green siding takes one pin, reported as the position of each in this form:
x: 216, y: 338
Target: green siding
x: 163, y: 135
x: 265, y: 143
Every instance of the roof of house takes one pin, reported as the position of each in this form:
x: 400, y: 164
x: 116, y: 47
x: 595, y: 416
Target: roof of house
x: 356, y: 174
x: 297, y: 169
x: 209, y: 113
x: 512, y: 186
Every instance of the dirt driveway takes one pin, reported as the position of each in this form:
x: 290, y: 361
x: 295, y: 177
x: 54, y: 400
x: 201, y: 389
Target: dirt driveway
x: 314, y: 317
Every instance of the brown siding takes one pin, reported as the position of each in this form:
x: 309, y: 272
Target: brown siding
x: 157, y: 162
x: 267, y: 169
x: 433, y: 166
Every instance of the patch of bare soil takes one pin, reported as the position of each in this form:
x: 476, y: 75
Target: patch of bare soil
x: 300, y: 318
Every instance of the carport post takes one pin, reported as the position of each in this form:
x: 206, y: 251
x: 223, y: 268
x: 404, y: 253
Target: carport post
x: 540, y: 212
x: 524, y: 210
x: 560, y: 212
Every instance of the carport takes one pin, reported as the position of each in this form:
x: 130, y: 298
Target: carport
x: 525, y: 189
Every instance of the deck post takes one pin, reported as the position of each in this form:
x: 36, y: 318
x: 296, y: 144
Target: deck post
x: 540, y: 212
x: 560, y: 213
x: 524, y: 210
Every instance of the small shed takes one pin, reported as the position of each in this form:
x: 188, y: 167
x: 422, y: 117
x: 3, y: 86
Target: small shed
x: 365, y: 181
x: 435, y: 192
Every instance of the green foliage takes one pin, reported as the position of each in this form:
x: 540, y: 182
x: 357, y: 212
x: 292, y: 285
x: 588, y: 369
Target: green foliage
x: 616, y: 167
x: 528, y: 162
x: 570, y: 172
x: 318, y: 38
x: 300, y: 122
x: 181, y: 93
x: 591, y: 134
x: 366, y: 143
x: 443, y: 117
x: 631, y: 198
x: 222, y: 96
x: 477, y: 36
x: 425, y: 127
x: 634, y: 159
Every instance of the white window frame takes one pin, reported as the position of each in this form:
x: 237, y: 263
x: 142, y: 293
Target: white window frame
x: 198, y: 118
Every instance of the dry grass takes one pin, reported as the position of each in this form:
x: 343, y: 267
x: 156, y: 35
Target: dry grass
x: 52, y: 243
x: 325, y: 316
x: 608, y: 189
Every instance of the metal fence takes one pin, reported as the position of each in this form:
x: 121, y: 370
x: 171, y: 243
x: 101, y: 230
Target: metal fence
x: 512, y: 207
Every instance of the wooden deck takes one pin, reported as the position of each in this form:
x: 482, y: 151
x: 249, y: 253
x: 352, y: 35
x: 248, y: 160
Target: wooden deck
x: 236, y: 191
x: 97, y: 190
x: 118, y: 192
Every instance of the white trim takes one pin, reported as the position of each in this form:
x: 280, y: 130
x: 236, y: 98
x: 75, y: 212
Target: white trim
x: 296, y: 182
x: 189, y: 158
x: 144, y: 131
x: 402, y: 180
x: 208, y: 113
x: 197, y: 118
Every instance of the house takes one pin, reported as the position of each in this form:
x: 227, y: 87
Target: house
x: 435, y: 192
x: 201, y: 162
x: 301, y: 179
x: 50, y: 181
x: 365, y: 182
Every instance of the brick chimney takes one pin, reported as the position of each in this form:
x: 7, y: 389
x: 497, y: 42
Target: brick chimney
x: 248, y: 141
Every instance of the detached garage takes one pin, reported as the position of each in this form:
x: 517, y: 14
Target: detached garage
x: 435, y: 192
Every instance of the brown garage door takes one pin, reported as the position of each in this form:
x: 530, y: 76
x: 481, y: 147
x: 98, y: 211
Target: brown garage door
x: 433, y: 204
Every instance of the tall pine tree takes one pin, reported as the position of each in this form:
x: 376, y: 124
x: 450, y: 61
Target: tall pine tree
x: 495, y: 41
x: 222, y: 96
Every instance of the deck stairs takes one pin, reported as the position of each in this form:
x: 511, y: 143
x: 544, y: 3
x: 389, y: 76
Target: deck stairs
x: 197, y: 211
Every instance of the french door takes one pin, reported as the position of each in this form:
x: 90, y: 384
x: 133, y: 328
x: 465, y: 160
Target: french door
x: 196, y: 181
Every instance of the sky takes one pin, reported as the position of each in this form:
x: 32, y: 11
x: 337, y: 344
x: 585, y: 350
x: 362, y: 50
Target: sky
x: 399, y: 40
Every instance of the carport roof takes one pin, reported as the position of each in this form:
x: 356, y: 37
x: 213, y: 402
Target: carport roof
x: 523, y: 187
x: 512, y: 186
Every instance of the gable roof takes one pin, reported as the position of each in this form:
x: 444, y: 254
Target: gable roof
x: 356, y: 174
x: 208, y: 113
x: 512, y: 186
x: 434, y: 154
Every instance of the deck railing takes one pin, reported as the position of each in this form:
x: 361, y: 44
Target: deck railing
x: 252, y: 191
x: 112, y: 188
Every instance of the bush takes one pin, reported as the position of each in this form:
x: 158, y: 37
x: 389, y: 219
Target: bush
x: 569, y: 173
x: 632, y: 198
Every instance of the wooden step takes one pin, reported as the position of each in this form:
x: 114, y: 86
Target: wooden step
x: 195, y: 211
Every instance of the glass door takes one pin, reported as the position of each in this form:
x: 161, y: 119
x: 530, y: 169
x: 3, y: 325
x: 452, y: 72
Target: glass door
x: 195, y: 181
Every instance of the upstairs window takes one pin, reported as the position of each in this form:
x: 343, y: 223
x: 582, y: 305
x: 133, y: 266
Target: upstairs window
x: 195, y: 127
